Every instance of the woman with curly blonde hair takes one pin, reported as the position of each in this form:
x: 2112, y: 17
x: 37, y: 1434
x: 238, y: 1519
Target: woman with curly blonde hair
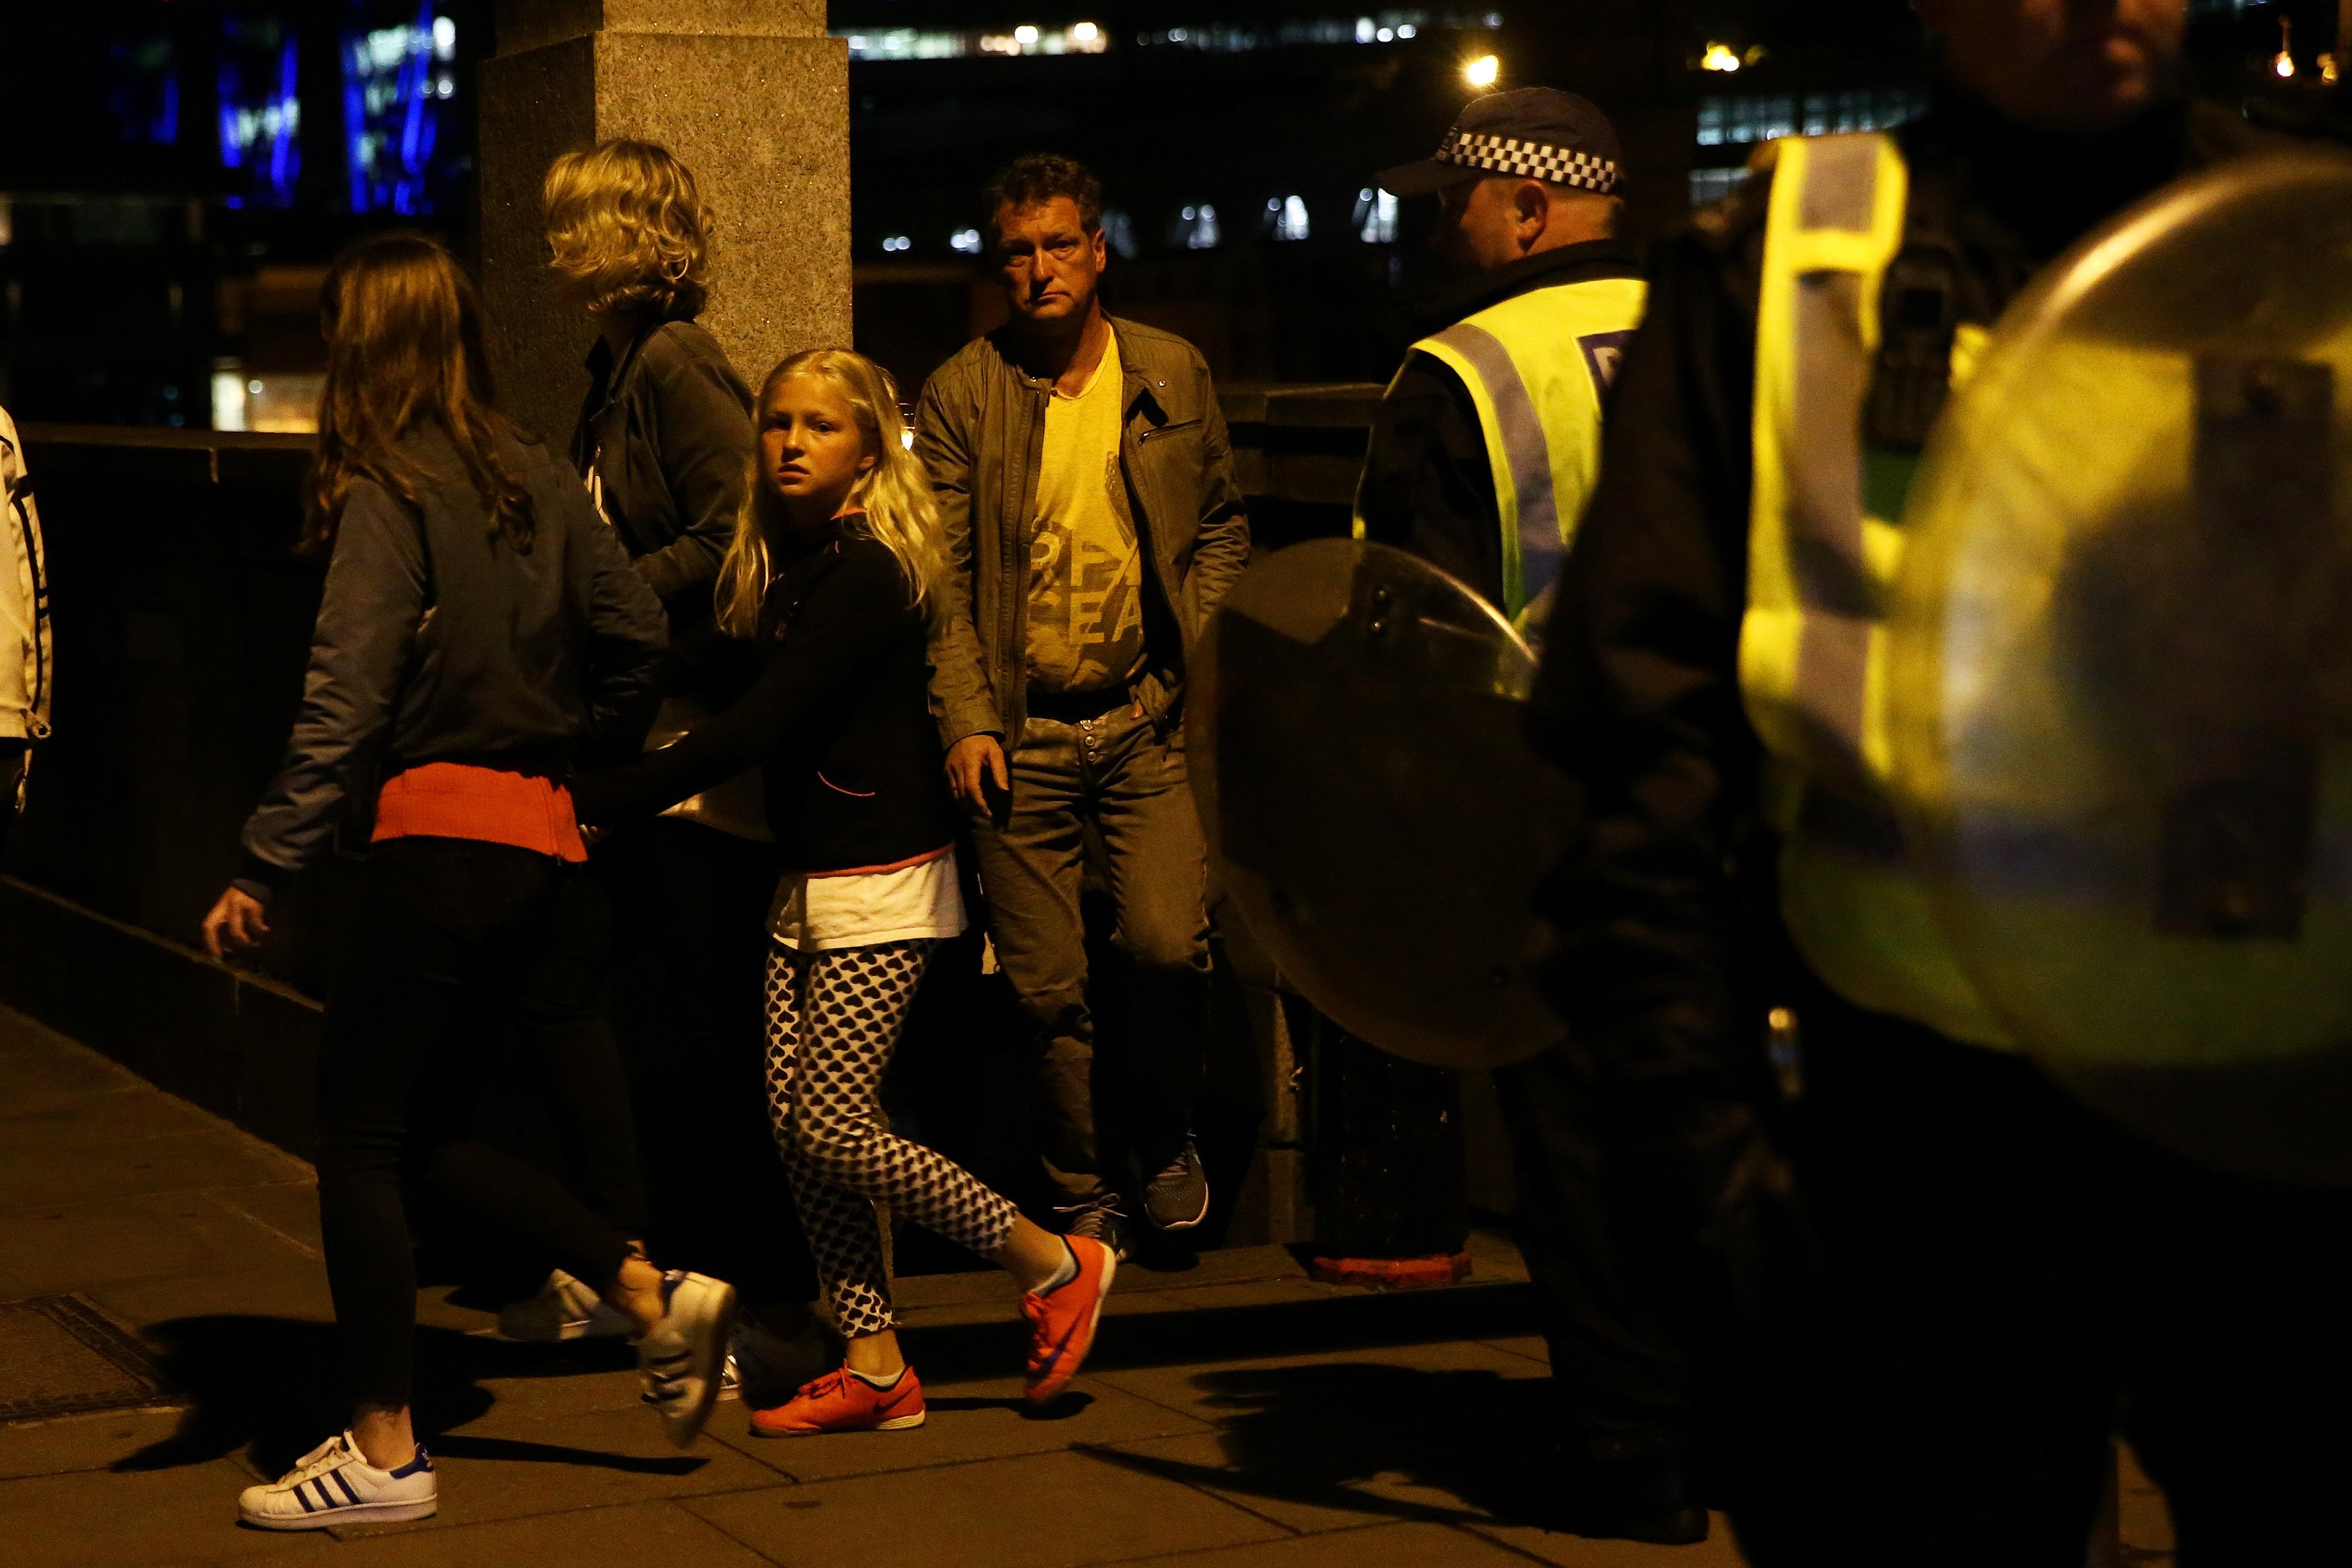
x: 664, y: 443
x: 836, y: 559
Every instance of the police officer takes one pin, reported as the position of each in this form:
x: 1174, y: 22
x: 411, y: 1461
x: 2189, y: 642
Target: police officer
x: 1484, y: 448
x: 2002, y: 1278
x: 1487, y: 440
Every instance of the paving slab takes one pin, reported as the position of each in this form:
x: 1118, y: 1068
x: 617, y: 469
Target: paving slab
x: 1575, y: 1551
x: 968, y: 1421
x: 1050, y: 1510
x: 65, y: 1444
x: 1375, y: 1546
x: 502, y: 1467
x: 46, y: 1250
x: 658, y: 1534
x: 184, y: 1517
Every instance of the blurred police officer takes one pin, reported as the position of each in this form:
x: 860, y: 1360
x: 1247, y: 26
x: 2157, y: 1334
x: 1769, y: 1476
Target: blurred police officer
x: 2005, y: 1278
x: 1484, y: 448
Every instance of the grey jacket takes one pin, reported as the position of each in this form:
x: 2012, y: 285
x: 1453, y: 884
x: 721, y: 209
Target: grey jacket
x: 665, y: 437
x: 981, y: 434
x: 437, y: 641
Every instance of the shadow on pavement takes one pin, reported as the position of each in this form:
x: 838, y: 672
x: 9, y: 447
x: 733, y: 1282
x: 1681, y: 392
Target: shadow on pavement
x: 951, y: 1352
x: 270, y: 1385
x: 1316, y: 1434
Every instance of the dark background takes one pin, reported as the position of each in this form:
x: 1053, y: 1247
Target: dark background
x: 137, y: 259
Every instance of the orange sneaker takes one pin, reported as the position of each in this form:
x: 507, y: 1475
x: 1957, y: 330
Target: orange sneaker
x: 841, y: 1401
x: 1062, y: 1321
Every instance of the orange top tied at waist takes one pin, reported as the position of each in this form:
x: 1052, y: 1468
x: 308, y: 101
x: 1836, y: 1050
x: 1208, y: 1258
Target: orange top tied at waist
x: 489, y: 805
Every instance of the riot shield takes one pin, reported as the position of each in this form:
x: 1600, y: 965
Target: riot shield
x: 1356, y: 723
x: 2119, y: 676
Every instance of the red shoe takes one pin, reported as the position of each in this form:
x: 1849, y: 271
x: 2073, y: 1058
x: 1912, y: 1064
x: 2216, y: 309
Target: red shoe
x: 1062, y: 1321
x: 841, y: 1401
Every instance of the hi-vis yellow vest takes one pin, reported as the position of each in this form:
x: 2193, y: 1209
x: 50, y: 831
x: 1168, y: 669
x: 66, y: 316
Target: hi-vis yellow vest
x: 1538, y: 366
x: 1825, y: 546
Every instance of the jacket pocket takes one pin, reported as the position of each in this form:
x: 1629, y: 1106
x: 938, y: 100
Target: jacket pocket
x: 1174, y: 427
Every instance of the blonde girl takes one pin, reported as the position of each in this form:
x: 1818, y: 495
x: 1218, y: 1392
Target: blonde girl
x: 832, y: 567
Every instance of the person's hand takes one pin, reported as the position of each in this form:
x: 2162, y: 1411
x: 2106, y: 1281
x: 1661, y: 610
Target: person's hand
x: 973, y: 763
x: 237, y: 923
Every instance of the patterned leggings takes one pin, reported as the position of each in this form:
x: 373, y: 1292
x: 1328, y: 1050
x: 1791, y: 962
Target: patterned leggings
x: 833, y: 1019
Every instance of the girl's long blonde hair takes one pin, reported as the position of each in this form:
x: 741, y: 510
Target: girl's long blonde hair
x: 895, y: 494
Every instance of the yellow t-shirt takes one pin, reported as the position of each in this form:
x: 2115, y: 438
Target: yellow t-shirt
x: 1085, y: 577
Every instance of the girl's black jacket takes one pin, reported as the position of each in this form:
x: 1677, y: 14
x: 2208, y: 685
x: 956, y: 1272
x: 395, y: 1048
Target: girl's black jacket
x: 838, y: 716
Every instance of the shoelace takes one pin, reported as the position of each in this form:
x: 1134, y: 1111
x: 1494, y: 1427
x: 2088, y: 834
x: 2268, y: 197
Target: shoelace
x: 1177, y: 1169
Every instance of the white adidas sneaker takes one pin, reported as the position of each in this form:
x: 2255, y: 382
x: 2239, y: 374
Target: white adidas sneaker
x: 564, y: 1309
x: 685, y: 1356
x: 334, y: 1484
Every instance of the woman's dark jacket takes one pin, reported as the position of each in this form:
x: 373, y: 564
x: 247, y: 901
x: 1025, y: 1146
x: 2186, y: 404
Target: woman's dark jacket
x: 838, y: 716
x: 440, y: 641
x: 667, y: 433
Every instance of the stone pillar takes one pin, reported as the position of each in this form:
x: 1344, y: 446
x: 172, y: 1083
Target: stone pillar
x: 751, y: 94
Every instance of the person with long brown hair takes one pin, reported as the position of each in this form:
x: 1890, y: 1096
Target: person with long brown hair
x: 480, y: 633
x: 836, y: 558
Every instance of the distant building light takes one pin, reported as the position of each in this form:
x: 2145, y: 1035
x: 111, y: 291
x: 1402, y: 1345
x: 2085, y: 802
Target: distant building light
x: 1406, y: 30
x: 1719, y: 58
x: 1708, y: 186
x: 1483, y: 71
x: 1745, y: 119
x: 965, y: 242
x: 228, y: 398
x: 939, y: 44
x: 2326, y: 64
x: 1197, y: 228
x: 1376, y: 217
x: 445, y: 38
x: 895, y: 243
x: 1366, y: 29
x: 1286, y: 216
x: 1120, y: 229
x: 2283, y: 64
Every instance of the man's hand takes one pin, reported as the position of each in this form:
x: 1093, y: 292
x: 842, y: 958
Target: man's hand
x: 237, y: 923
x: 973, y: 763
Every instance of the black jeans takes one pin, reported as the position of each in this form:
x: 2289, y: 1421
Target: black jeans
x: 688, y: 1011
x: 2008, y: 1279
x: 458, y: 954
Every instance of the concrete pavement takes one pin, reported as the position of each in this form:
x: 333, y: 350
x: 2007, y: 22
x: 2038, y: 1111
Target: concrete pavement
x: 1236, y: 1415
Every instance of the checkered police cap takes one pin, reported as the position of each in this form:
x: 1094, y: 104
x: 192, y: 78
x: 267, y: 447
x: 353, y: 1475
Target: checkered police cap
x: 1532, y: 159
x: 1530, y: 132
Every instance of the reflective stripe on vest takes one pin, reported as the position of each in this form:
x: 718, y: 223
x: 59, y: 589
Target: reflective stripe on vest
x: 1824, y: 549
x: 1537, y: 366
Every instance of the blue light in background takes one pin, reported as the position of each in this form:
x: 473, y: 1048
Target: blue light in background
x: 395, y: 80
x: 261, y: 110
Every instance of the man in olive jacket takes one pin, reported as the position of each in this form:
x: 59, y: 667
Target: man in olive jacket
x: 1085, y: 481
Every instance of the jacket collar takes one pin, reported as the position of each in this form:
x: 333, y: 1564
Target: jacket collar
x: 1579, y: 262
x: 1138, y: 384
x: 608, y: 372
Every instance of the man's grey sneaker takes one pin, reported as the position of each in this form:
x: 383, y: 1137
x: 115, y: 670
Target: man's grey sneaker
x: 334, y: 1484
x: 564, y: 1309
x: 766, y: 1369
x: 1178, y: 1198
x: 1099, y: 1220
x: 683, y: 1360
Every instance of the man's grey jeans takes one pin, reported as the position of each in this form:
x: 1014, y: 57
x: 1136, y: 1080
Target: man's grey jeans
x: 1117, y: 771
